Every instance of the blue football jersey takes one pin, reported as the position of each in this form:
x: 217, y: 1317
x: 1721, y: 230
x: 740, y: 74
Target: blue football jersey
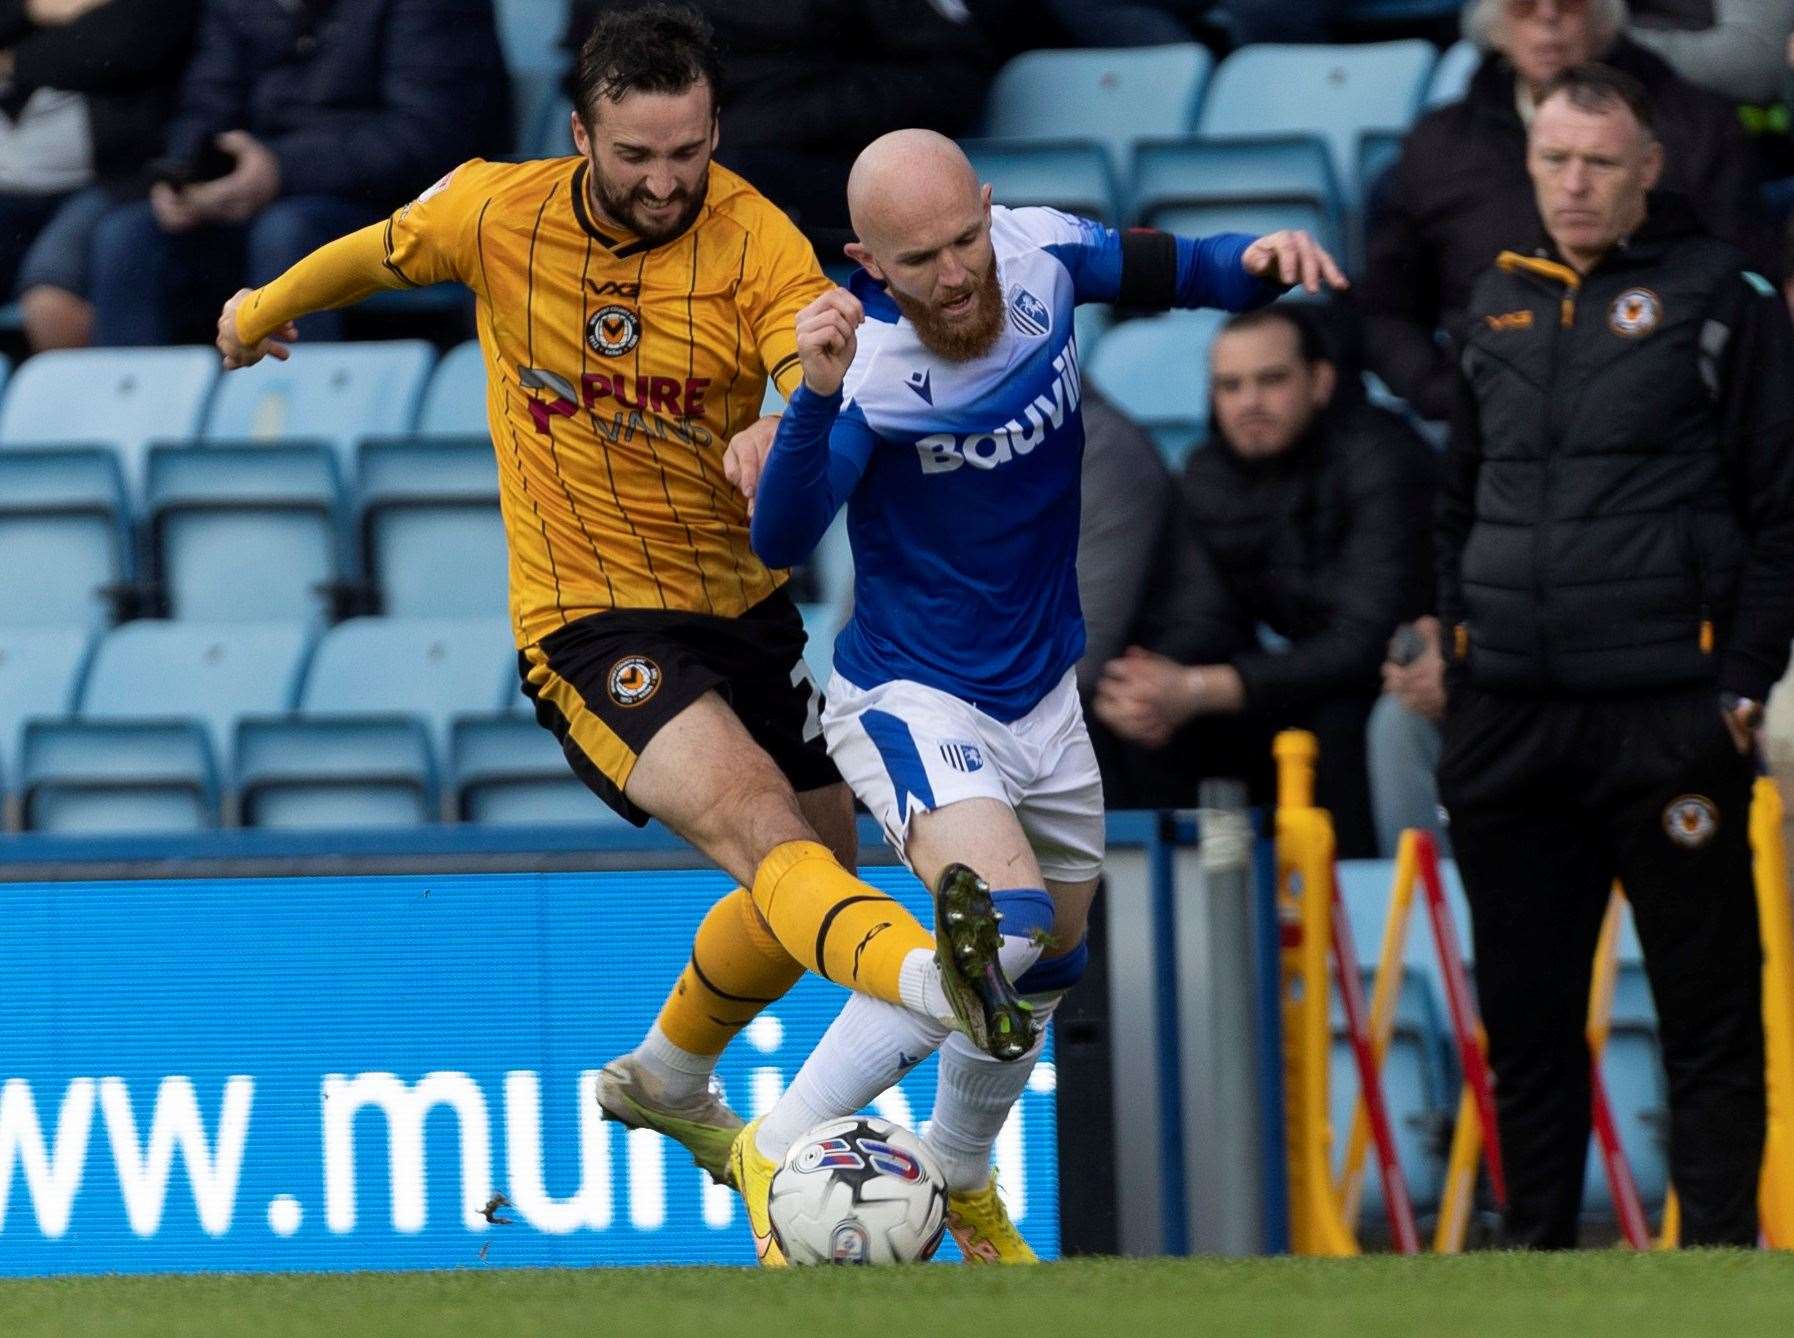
x: 961, y: 479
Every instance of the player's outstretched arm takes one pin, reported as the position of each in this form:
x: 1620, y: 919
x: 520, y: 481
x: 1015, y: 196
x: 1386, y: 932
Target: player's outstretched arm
x: 258, y: 322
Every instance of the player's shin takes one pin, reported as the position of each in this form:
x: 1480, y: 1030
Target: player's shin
x: 975, y: 1094
x: 737, y: 968
x: 836, y: 925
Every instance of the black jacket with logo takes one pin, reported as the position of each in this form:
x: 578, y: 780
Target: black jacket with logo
x: 1618, y: 509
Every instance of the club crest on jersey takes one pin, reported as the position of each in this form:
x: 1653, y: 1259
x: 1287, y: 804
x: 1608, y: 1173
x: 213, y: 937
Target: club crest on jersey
x: 1635, y: 313
x: 633, y: 680
x: 1691, y: 820
x: 965, y: 757
x: 613, y: 330
x: 1027, y: 313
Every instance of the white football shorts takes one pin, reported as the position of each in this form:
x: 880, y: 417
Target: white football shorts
x: 904, y: 747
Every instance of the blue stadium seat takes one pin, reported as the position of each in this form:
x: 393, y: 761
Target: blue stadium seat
x: 324, y: 771
x: 1155, y: 370
x: 455, y: 400
x: 1336, y: 92
x: 434, y: 668
x: 246, y: 532
x: 552, y: 134
x: 821, y: 623
x: 1253, y: 184
x: 1109, y: 98
x: 1452, y: 75
x: 65, y: 535
x: 1073, y: 175
x: 40, y: 674
x: 1400, y: 11
x: 137, y: 777
x: 432, y: 537
x: 212, y: 673
x: 1638, y: 1092
x: 530, y: 32
x: 506, y: 769
x: 337, y: 393
x: 1420, y: 1089
x: 123, y: 399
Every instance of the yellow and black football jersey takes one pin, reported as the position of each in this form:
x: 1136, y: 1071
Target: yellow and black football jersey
x: 617, y: 370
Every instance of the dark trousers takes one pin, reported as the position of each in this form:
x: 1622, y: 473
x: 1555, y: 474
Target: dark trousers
x: 1550, y: 801
x: 144, y: 279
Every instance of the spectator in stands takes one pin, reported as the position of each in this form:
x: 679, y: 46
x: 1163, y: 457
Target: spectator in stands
x: 1305, y: 545
x: 298, y: 122
x: 1735, y: 48
x: 812, y: 84
x: 85, y: 89
x: 1613, y: 635
x: 1459, y: 194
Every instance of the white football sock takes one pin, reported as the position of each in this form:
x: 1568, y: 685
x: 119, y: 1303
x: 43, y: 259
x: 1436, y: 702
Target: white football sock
x: 866, y: 1049
x: 678, y: 1074
x: 972, y: 1100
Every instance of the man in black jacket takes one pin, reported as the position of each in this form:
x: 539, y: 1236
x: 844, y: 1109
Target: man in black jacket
x: 298, y: 122
x: 85, y: 89
x: 1304, y: 546
x: 1616, y: 577
x: 1459, y: 195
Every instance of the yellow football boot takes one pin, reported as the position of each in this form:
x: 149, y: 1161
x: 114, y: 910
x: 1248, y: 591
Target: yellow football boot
x: 980, y: 1224
x: 753, y: 1174
x: 703, y: 1125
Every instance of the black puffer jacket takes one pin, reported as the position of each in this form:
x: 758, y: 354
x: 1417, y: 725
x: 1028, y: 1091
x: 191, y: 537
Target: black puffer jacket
x: 1459, y: 195
x: 1327, y: 545
x: 1618, y: 513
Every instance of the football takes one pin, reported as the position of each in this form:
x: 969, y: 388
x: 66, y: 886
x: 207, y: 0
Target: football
x: 858, y: 1191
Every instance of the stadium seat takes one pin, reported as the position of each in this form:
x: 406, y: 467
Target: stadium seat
x: 65, y: 535
x: 1452, y: 75
x: 432, y: 536
x: 1071, y: 175
x: 455, y: 400
x: 246, y: 532
x: 1155, y: 370
x: 122, y: 399
x: 116, y: 777
x: 1638, y: 1092
x: 337, y: 393
x: 821, y: 624
x: 212, y: 673
x: 504, y: 768
x: 1253, y: 184
x: 433, y: 668
x: 530, y: 32
x: 1400, y: 11
x: 324, y: 771
x: 40, y: 675
x: 1112, y: 96
x: 552, y: 134
x: 1336, y: 92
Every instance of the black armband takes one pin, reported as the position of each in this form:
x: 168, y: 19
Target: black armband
x: 1148, y: 269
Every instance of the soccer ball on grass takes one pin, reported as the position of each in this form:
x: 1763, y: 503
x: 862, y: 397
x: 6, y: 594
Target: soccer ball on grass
x: 858, y: 1190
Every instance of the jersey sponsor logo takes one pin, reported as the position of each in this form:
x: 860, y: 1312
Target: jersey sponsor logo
x: 1635, y: 313
x: 1691, y: 820
x: 944, y: 452
x: 628, y: 290
x: 1510, y: 320
x: 613, y: 330
x: 664, y: 395
x: 918, y: 382
x: 966, y: 757
x: 1028, y: 314
x: 633, y: 679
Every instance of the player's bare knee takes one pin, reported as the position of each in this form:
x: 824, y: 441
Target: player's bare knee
x: 829, y: 811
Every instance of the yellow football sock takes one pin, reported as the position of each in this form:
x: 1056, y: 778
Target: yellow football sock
x: 833, y: 923
x: 737, y: 968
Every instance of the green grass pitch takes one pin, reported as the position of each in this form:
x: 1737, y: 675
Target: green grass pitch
x: 1730, y: 1295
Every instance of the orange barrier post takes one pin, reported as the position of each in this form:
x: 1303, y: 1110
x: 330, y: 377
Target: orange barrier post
x: 1304, y: 839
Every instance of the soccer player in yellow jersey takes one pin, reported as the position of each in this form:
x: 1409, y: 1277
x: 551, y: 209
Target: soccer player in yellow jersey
x: 633, y: 301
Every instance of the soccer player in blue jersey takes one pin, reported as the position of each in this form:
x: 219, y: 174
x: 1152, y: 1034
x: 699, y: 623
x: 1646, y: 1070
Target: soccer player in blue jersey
x: 940, y: 404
